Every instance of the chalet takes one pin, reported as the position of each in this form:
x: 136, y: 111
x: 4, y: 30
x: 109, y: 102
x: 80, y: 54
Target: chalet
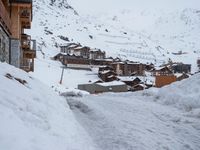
x: 181, y: 76
x: 107, y: 75
x: 97, y: 54
x: 130, y: 81
x: 16, y: 47
x: 162, y: 80
x: 102, y: 62
x: 128, y: 68
x: 149, y: 67
x: 139, y: 87
x: 181, y: 68
x: 69, y: 48
x: 105, y: 68
x: 161, y: 71
x: 58, y: 57
x: 73, y: 59
x: 95, y: 88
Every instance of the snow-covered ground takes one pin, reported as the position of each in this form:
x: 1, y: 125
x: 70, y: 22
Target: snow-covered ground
x: 34, y: 117
x: 156, y: 119
x: 49, y: 72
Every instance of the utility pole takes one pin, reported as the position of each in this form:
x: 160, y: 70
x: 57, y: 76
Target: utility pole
x: 61, y: 78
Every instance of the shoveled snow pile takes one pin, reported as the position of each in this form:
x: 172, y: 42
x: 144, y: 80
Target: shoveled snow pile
x: 33, y: 117
x: 184, y: 95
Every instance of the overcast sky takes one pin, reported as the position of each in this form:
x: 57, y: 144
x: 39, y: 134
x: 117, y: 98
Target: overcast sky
x: 96, y: 6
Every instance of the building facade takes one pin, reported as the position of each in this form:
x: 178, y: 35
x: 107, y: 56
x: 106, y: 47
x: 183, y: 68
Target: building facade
x: 5, y: 31
x: 16, y: 47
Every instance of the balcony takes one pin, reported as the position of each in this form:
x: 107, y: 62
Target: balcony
x: 28, y: 47
x: 25, y: 42
x: 26, y: 17
x: 4, y: 18
x: 29, y: 54
x: 27, y: 65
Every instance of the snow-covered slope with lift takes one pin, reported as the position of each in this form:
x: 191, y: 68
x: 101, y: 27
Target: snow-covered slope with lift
x: 145, y: 36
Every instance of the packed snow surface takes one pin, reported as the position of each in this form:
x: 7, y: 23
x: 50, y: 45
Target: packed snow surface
x: 156, y: 119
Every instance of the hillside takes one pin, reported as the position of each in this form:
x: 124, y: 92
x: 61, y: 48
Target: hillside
x: 145, y: 35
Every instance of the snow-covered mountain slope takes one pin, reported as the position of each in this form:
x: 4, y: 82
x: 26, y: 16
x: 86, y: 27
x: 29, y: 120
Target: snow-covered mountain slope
x: 33, y: 117
x: 145, y: 36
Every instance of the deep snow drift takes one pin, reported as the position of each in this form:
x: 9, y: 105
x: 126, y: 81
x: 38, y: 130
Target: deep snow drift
x: 33, y: 117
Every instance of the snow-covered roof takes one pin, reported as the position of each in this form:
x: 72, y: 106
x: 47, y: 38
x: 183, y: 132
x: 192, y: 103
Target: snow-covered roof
x: 142, y: 85
x: 78, y: 48
x: 127, y: 78
x: 106, y: 71
x: 113, y: 83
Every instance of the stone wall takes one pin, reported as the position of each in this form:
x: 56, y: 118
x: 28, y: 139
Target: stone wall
x: 15, y: 52
x: 4, y: 46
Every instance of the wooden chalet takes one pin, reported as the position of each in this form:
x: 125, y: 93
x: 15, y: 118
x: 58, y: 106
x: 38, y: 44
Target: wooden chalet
x: 138, y: 87
x: 128, y: 68
x: 69, y: 48
x: 181, y: 68
x: 162, y: 80
x: 161, y: 71
x: 18, y: 48
x: 105, y: 68
x: 102, y: 62
x: 107, y: 76
x: 181, y: 76
x: 73, y: 59
x: 130, y: 81
x: 97, y: 54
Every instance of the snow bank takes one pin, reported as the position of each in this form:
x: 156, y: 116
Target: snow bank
x: 33, y: 117
x: 184, y: 95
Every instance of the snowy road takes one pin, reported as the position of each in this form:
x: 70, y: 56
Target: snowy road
x: 127, y: 122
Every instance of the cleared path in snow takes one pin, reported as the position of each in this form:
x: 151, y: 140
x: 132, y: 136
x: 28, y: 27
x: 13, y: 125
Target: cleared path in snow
x: 120, y: 122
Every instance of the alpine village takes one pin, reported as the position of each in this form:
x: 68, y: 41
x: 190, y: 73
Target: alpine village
x: 115, y: 75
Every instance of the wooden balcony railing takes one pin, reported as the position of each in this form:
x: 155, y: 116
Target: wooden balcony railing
x: 25, y: 42
x: 29, y: 54
x: 25, y: 13
x: 26, y: 17
x: 27, y: 65
x: 4, y: 17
